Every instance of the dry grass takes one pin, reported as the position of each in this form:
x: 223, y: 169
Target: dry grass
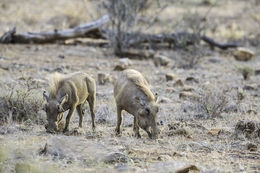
x: 184, y: 138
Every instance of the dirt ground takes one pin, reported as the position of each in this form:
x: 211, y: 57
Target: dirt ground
x: 188, y: 135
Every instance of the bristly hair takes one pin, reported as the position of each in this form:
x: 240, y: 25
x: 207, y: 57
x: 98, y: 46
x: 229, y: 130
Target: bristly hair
x: 138, y: 79
x: 54, y: 83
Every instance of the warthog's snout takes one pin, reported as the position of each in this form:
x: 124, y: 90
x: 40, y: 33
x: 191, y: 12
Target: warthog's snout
x: 51, y: 127
x: 154, y: 133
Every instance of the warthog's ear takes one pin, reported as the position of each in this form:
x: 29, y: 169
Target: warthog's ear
x: 64, y: 99
x: 45, y: 96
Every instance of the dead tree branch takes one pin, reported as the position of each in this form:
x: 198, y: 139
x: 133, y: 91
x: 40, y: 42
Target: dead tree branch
x: 90, y: 30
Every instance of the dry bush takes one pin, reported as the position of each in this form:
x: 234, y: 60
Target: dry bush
x: 20, y: 102
x: 208, y: 103
x: 124, y: 15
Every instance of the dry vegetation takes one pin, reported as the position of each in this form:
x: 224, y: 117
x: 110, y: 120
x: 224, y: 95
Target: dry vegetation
x: 208, y: 117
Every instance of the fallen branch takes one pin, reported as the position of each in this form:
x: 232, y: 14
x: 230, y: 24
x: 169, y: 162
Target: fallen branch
x: 90, y: 30
x: 213, y: 43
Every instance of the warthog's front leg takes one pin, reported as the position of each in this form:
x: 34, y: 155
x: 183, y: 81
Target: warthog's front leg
x: 136, y: 128
x: 119, y: 120
x: 72, y: 109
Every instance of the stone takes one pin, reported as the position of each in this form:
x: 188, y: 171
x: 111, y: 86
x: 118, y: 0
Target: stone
x: 120, y: 67
x: 187, y: 95
x: 188, y: 168
x: 191, y: 80
x: 171, y: 76
x: 170, y: 90
x: 243, y: 54
x: 115, y: 157
x: 161, y: 60
x: 214, y: 132
x: 164, y: 100
x: 103, y: 78
x: 252, y: 147
x: 250, y: 87
x: 178, y: 83
x: 188, y: 88
x: 125, y: 62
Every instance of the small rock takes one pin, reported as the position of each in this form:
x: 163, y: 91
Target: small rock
x: 120, y: 67
x: 164, y: 100
x: 170, y: 90
x: 160, y: 60
x: 214, y: 60
x: 164, y: 157
x: 125, y: 62
x: 252, y: 147
x: 214, y: 132
x: 178, y: 83
x: 187, y: 169
x: 251, y: 111
x: 171, y: 76
x: 250, y: 87
x: 103, y: 78
x: 191, y: 79
x: 257, y: 72
x: 187, y: 95
x: 243, y: 54
x: 61, y: 56
x: 115, y: 158
x: 188, y: 88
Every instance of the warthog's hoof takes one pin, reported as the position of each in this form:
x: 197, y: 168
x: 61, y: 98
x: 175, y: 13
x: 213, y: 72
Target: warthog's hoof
x: 118, y: 132
x: 137, y: 135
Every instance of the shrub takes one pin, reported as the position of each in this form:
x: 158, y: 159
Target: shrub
x: 20, y: 102
x: 246, y: 71
x: 211, y: 101
x: 124, y: 15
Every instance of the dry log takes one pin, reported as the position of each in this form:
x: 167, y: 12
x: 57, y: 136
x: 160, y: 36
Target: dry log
x: 213, y: 43
x: 90, y: 30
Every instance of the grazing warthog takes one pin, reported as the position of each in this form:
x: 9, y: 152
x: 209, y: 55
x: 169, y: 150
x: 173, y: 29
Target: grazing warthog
x: 69, y: 92
x: 132, y: 94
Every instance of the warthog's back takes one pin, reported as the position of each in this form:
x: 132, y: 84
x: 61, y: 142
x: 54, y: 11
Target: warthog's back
x: 131, y: 83
x: 76, y: 84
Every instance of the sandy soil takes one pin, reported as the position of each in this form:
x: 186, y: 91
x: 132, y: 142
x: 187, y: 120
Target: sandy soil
x: 185, y: 129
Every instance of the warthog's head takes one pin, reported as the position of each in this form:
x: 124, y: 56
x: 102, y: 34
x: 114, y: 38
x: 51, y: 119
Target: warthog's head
x: 54, y: 110
x: 147, y: 119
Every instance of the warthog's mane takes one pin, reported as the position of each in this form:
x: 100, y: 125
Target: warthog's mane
x: 54, y: 83
x: 138, y: 79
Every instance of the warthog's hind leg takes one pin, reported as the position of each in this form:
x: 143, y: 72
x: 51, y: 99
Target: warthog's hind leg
x: 91, y: 102
x: 81, y: 114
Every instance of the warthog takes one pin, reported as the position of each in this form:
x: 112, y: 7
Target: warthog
x: 133, y: 95
x: 69, y: 92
